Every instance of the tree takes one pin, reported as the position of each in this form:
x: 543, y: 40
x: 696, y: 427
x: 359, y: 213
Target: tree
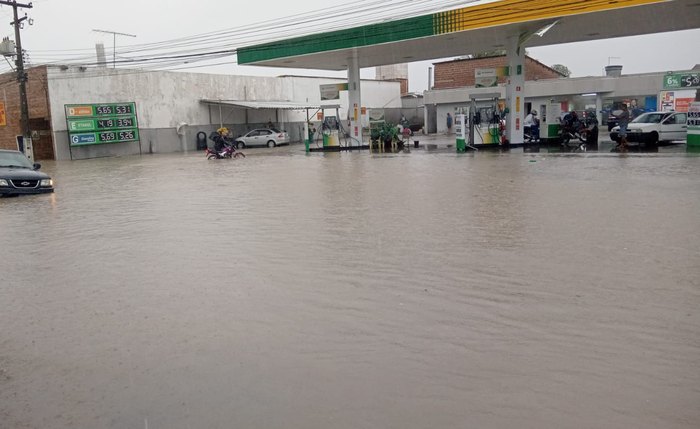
x: 562, y: 69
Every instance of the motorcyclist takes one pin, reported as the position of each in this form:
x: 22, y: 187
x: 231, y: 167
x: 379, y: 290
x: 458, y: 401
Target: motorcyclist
x: 220, y: 140
x: 571, y: 121
x: 531, y: 125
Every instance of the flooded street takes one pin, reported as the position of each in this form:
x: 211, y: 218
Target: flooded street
x: 349, y: 290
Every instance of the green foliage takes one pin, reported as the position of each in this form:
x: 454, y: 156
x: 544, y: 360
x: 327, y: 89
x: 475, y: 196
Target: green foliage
x: 385, y: 132
x: 562, y: 69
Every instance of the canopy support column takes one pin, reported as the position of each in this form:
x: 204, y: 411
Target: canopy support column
x: 515, y: 90
x: 354, y: 100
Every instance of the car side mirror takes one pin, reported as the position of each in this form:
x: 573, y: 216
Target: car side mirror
x: 37, y: 166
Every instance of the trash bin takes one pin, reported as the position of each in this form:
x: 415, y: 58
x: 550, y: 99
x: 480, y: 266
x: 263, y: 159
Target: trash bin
x: 201, y: 140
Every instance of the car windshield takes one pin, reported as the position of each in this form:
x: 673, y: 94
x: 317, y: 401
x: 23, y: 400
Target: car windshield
x: 14, y: 159
x: 649, y: 118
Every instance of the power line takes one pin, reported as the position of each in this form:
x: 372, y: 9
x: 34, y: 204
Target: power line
x: 187, y: 50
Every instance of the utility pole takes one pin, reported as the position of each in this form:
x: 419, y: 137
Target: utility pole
x: 22, y: 77
x: 114, y: 46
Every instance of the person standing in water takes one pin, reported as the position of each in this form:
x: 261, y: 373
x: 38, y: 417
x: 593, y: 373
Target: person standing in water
x: 622, y: 120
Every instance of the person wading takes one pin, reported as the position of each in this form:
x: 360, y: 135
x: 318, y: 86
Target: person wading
x: 622, y: 120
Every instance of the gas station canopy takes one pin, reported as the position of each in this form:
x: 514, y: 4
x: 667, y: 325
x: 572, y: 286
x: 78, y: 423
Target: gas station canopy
x: 482, y: 26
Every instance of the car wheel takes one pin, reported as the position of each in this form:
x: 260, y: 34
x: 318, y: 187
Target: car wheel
x: 271, y: 143
x: 652, y: 139
x: 240, y: 145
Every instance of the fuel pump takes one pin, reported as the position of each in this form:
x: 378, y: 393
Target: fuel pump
x: 486, y: 125
x: 549, y: 121
x: 330, y: 128
x: 464, y: 128
x: 461, y: 124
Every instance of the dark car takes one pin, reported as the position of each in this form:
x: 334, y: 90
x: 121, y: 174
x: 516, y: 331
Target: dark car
x: 613, y: 121
x: 18, y: 176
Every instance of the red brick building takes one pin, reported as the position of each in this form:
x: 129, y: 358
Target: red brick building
x: 460, y: 72
x: 39, y: 112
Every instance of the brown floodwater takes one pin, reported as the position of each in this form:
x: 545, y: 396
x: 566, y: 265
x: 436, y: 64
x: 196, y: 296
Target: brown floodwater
x: 349, y: 290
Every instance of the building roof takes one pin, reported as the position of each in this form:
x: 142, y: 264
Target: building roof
x: 455, y: 60
x: 268, y: 104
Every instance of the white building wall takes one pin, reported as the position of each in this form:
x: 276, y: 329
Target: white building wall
x: 392, y: 71
x: 166, y: 99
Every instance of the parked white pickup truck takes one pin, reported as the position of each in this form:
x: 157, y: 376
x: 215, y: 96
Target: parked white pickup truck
x: 652, y: 128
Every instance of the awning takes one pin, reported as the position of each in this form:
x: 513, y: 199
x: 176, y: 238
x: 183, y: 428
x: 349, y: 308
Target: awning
x: 274, y: 105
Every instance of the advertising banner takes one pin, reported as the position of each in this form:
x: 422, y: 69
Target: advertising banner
x: 681, y: 80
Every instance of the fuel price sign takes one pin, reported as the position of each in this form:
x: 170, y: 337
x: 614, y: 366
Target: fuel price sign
x: 101, y: 123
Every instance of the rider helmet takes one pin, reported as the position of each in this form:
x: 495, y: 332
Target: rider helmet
x: 534, y: 112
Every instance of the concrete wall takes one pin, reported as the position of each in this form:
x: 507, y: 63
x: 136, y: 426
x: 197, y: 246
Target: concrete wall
x: 166, y: 99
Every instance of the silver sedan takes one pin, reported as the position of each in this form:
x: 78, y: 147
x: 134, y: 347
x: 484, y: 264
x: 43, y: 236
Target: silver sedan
x: 269, y: 137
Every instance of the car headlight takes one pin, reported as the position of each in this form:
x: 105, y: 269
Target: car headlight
x: 46, y: 182
x: 3, y: 182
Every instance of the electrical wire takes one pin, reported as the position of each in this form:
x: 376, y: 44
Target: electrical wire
x: 183, y: 51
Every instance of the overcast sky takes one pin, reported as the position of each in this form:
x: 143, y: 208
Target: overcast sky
x: 62, y: 28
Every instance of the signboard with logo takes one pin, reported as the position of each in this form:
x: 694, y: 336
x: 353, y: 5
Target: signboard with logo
x: 485, y: 78
x: 332, y: 91
x: 681, y: 80
x: 90, y: 124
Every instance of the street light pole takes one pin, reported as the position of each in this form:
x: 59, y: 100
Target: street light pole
x: 22, y: 78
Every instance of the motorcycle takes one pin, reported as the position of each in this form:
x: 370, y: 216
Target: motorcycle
x: 227, y: 152
x: 531, y: 134
x: 578, y: 130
